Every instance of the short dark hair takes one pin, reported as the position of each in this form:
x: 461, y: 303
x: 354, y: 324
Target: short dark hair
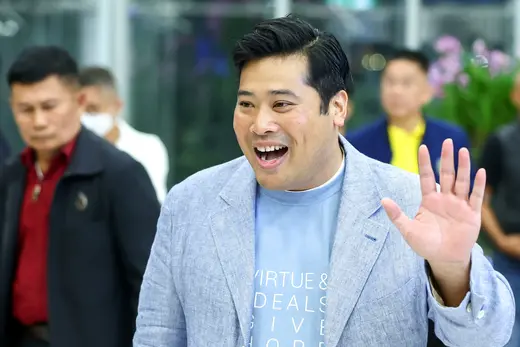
x: 329, y: 69
x: 36, y: 63
x: 416, y: 57
x: 96, y: 76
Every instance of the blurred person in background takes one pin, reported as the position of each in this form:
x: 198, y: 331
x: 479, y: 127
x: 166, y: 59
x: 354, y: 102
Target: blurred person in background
x: 77, y: 218
x: 5, y: 149
x: 102, y: 106
x: 501, y: 209
x: 290, y: 245
x: 396, y: 138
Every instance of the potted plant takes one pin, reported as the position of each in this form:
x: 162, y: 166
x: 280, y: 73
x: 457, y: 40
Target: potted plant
x: 472, y: 88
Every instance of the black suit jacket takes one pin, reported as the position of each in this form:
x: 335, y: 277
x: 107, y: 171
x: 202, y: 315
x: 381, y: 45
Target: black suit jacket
x: 102, y: 226
x: 4, y: 149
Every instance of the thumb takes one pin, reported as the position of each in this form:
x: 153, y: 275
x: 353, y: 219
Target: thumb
x: 396, y: 215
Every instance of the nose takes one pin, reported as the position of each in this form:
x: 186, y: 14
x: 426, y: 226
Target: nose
x: 40, y: 119
x: 264, y: 123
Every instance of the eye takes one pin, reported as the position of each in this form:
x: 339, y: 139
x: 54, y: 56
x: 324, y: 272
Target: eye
x: 245, y: 104
x: 48, y: 107
x: 282, y: 104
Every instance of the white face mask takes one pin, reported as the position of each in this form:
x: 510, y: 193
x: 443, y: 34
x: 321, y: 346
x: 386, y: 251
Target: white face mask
x: 99, y: 123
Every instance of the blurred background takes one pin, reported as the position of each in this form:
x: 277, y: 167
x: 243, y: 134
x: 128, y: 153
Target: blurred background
x: 171, y: 57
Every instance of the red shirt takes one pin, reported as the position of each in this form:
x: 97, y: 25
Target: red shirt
x: 30, y: 282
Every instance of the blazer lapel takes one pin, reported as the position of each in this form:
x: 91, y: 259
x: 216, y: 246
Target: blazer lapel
x: 357, y: 244
x: 232, y: 225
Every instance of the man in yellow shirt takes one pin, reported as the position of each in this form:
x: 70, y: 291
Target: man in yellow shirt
x: 395, y: 139
x: 404, y: 145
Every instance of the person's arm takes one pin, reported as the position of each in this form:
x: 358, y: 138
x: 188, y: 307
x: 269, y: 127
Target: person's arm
x: 486, y: 314
x: 161, y: 168
x: 491, y: 160
x: 477, y: 305
x: 160, y: 321
x: 134, y: 213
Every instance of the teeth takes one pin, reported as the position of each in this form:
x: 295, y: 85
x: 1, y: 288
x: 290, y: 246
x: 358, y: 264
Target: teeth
x: 269, y: 148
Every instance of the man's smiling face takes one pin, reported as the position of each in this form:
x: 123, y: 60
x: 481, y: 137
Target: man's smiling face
x: 278, y: 124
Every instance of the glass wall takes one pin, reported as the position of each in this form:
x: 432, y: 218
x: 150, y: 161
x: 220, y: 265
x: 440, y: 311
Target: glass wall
x: 182, y: 83
x: 490, y: 21
x: 367, y: 29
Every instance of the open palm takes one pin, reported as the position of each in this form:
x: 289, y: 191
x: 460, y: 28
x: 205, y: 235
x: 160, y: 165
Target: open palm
x: 447, y: 224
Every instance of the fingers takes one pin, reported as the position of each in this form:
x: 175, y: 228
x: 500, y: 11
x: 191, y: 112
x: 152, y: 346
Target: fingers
x: 396, y: 215
x: 479, y: 187
x: 447, y: 172
x: 462, y: 182
x: 426, y: 174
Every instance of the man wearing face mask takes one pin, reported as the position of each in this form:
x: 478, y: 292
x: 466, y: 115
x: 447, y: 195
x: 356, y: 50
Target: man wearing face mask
x: 102, y: 117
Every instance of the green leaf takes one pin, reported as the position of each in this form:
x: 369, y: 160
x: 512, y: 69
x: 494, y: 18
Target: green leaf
x: 479, y: 107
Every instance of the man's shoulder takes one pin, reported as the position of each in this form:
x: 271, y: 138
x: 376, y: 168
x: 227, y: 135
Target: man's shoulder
x: 146, y: 139
x: 507, y: 131
x: 205, y: 184
x: 105, y: 154
x: 364, y: 133
x: 446, y: 128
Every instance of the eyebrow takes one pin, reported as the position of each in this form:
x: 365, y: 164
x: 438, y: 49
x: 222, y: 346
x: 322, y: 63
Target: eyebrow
x: 282, y: 92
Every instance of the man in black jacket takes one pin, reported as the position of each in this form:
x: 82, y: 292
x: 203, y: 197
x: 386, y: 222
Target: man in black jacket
x: 4, y: 149
x: 77, y: 218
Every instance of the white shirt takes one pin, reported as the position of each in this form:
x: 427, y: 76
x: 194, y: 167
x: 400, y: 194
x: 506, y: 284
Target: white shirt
x: 149, y: 150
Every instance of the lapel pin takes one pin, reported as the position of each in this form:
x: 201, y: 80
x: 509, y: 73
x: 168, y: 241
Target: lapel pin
x: 81, y: 202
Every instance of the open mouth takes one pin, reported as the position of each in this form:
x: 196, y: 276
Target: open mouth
x: 271, y: 156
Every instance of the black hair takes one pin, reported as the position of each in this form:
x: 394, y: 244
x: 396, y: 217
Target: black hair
x: 96, y: 76
x: 329, y: 69
x: 416, y: 57
x: 36, y: 63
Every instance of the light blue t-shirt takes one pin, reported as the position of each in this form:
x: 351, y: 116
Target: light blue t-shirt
x: 294, y: 236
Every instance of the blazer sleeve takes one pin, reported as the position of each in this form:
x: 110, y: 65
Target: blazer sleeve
x: 486, y: 315
x: 160, y: 319
x: 134, y: 213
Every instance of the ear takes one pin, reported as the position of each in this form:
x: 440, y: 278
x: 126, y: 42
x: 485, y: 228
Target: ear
x: 338, y: 108
x: 82, y: 99
x: 118, y: 106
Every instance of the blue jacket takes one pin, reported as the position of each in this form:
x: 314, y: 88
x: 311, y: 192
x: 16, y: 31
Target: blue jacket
x: 373, y: 141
